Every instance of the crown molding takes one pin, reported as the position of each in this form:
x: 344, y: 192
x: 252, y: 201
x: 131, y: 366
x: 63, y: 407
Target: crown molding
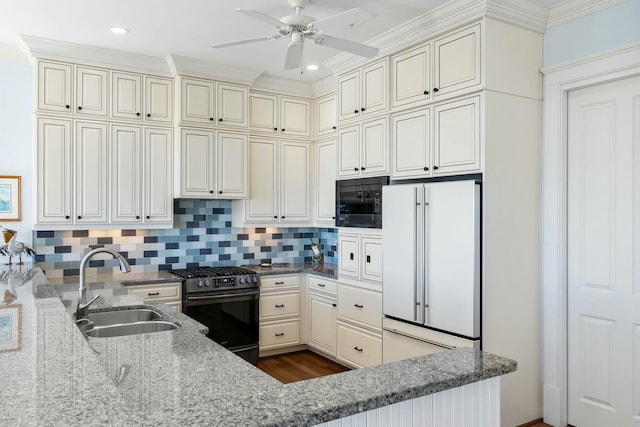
x: 570, y: 10
x: 211, y: 70
x: 12, y: 51
x: 324, y: 86
x: 36, y: 48
x: 270, y: 83
x: 525, y: 13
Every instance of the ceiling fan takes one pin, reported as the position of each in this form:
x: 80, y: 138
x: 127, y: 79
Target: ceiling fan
x: 300, y: 27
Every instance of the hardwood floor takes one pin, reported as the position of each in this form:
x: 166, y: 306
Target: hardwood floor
x: 298, y: 366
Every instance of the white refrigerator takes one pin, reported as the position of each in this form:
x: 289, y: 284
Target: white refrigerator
x: 431, y: 261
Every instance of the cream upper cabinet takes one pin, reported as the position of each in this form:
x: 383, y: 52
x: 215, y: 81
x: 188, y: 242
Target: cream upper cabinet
x: 326, y: 118
x: 411, y: 76
x: 457, y: 137
x: 126, y: 174
x: 232, y: 164
x: 158, y: 176
x: 457, y: 61
x: 54, y: 162
x: 363, y: 150
x: 197, y: 100
x: 91, y: 91
x: 55, y: 86
x: 295, y: 182
x: 411, y: 141
x: 279, y: 115
x: 364, y: 91
x: 197, y: 160
x: 126, y: 95
x: 294, y: 117
x: 90, y: 176
x: 263, y: 113
x: 232, y: 106
x: 158, y: 99
x: 326, y: 183
x: 262, y: 205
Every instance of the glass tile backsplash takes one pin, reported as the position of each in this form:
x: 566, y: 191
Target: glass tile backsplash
x: 202, y: 235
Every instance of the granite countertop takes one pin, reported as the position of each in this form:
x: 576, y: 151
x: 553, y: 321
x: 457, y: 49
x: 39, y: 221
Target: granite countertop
x: 53, y: 375
x: 329, y: 271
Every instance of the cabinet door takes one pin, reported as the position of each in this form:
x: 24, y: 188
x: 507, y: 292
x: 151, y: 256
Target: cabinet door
x: 158, y: 175
x: 457, y: 137
x: 326, y: 182
x: 411, y: 76
x: 375, y: 88
x: 126, y: 95
x: 232, y: 166
x: 126, y: 149
x: 326, y: 115
x: 349, y: 151
x: 158, y: 99
x: 322, y: 323
x: 232, y: 105
x: 371, y: 259
x: 54, y: 171
x: 91, y: 91
x: 411, y: 142
x: 375, y: 147
x: 197, y: 100
x: 91, y: 164
x: 349, y: 96
x: 263, y: 190
x: 348, y: 250
x: 197, y: 149
x: 294, y: 117
x: 263, y: 113
x: 294, y: 181
x: 457, y: 61
x: 54, y: 86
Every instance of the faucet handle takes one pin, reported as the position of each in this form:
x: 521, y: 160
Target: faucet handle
x: 86, y: 306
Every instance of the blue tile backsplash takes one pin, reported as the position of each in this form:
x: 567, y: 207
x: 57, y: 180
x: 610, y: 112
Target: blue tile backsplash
x: 202, y: 234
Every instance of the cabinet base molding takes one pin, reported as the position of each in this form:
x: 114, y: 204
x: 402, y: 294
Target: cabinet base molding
x: 291, y: 349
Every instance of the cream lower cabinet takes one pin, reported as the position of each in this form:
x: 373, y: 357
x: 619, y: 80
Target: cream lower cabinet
x: 280, y: 311
x: 360, y: 256
x: 322, y: 315
x: 169, y: 293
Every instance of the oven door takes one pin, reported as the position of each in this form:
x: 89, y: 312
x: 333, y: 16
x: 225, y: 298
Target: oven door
x: 232, y: 319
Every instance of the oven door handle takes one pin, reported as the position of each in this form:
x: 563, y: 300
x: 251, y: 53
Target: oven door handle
x: 242, y: 294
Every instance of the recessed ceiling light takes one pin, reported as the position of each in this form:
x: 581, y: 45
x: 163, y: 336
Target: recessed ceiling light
x: 312, y: 67
x: 119, y: 30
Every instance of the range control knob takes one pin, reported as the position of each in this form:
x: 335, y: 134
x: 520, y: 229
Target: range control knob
x: 255, y: 279
x: 206, y: 283
x: 242, y: 280
x: 200, y: 283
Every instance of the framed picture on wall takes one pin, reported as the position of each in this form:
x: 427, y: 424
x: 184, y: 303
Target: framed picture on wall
x: 10, y: 209
x: 10, y: 327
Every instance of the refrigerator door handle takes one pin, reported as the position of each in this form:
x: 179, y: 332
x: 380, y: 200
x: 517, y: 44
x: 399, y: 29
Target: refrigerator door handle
x: 418, y: 277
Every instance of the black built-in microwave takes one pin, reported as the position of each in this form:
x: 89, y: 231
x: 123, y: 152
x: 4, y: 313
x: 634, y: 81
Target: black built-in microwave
x: 359, y: 202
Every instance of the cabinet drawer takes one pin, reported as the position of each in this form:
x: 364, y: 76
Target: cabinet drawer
x: 360, y: 305
x: 278, y: 282
x: 357, y: 347
x: 317, y: 284
x: 279, y: 334
x: 159, y: 292
x: 279, y: 305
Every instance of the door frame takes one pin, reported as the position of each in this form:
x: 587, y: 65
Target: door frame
x: 558, y: 81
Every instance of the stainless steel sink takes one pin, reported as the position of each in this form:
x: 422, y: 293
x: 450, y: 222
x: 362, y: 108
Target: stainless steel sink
x: 130, y: 329
x: 117, y: 317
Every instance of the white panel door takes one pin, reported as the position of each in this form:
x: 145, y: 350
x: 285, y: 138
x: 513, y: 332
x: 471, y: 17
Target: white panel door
x: 294, y: 181
x: 349, y: 96
x: 326, y: 115
x: 371, y: 259
x: 322, y: 323
x: 349, y: 151
x: 294, y: 117
x: 91, y: 91
x: 375, y: 147
x: 263, y: 189
x: 349, y: 253
x: 197, y: 149
x: 54, y: 171
x: 457, y: 61
x: 158, y: 99
x: 232, y: 166
x: 411, y: 76
x: 197, y: 101
x: 158, y: 175
x: 375, y: 83
x: 126, y: 95
x: 126, y: 171
x: 326, y: 182
x: 232, y: 105
x: 54, y: 86
x: 91, y: 163
x: 457, y: 137
x: 411, y: 140
x: 603, y: 254
x: 263, y: 113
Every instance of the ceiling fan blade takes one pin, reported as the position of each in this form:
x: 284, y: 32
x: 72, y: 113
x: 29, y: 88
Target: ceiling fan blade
x: 294, y: 55
x: 245, y: 41
x: 346, y: 45
x: 343, y: 19
x: 262, y: 17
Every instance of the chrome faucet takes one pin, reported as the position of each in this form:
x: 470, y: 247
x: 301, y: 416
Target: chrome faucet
x: 83, y: 305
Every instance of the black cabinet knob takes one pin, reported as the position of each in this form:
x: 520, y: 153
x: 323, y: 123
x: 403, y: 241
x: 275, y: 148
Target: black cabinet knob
x: 334, y: 304
x: 220, y: 119
x: 276, y: 129
x: 79, y: 108
x: 282, y: 217
x: 67, y: 106
x: 426, y: 92
x: 362, y: 109
x: 435, y: 89
x: 362, y: 168
x: 211, y: 191
x: 138, y: 114
x: 333, y: 217
x: 148, y: 217
x: 137, y: 216
x: 435, y: 168
x: 79, y: 217
x: 67, y: 217
x: 148, y: 114
x: 356, y: 111
x: 334, y: 127
x: 356, y: 169
x: 426, y: 168
x: 211, y: 119
x: 219, y: 191
x: 282, y: 129
x: 275, y: 216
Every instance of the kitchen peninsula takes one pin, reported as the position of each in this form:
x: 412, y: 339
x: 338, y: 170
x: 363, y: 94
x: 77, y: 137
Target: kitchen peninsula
x: 57, y: 377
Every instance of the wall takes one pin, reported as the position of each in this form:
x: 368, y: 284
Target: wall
x: 16, y: 134
x: 601, y: 31
x: 202, y: 234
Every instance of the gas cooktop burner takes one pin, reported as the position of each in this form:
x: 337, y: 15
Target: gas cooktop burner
x: 190, y: 273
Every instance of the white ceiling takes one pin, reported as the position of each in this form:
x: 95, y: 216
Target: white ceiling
x: 188, y: 27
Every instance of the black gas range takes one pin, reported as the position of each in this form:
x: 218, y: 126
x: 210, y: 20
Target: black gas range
x: 225, y: 300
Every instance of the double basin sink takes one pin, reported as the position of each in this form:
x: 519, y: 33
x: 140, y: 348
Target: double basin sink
x: 125, y: 321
